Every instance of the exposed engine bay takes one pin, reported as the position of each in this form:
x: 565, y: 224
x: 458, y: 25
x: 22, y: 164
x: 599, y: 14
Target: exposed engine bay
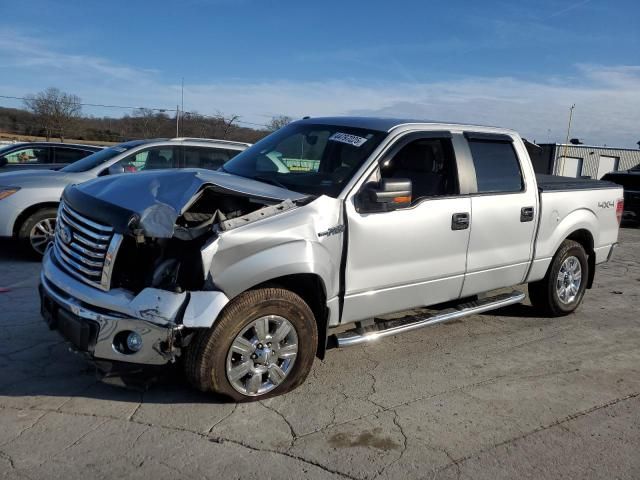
x: 174, y: 263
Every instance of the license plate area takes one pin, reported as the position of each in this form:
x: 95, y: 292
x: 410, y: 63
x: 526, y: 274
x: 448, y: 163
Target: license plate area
x: 80, y: 332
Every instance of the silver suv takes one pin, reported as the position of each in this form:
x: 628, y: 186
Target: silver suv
x: 29, y: 199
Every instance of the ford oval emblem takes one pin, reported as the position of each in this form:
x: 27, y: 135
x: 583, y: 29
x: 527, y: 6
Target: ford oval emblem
x: 65, y: 235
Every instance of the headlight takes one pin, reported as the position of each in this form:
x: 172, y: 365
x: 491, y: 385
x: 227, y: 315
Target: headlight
x: 7, y: 191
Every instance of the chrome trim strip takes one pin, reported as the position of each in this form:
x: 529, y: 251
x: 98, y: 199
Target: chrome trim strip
x: 79, y: 257
x: 74, y: 264
x: 97, y: 246
x: 351, y: 338
x: 85, y: 220
x: 88, y: 233
x: 110, y: 260
x: 86, y: 251
x: 74, y: 306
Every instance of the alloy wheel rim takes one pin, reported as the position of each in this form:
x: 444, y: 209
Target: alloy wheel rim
x: 569, y: 280
x: 42, y: 233
x: 262, y: 355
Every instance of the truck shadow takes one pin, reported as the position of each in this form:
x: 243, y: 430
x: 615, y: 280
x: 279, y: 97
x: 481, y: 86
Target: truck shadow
x: 517, y: 310
x: 11, y: 251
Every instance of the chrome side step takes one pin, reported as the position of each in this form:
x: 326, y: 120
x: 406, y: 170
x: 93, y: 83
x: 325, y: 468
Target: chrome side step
x: 386, y: 328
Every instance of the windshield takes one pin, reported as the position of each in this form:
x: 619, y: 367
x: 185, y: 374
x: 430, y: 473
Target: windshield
x: 306, y: 158
x: 96, y: 159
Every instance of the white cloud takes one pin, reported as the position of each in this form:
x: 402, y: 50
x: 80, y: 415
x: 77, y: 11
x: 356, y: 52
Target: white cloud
x: 607, y: 98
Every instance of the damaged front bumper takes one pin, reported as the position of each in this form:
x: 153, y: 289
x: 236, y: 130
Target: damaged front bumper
x: 97, y: 322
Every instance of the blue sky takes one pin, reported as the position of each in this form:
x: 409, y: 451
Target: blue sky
x: 515, y: 64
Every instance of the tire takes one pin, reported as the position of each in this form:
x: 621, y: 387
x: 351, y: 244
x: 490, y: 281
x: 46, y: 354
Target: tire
x: 32, y: 235
x: 546, y: 294
x: 210, y: 356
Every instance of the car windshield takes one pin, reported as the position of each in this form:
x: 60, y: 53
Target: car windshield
x: 307, y: 158
x: 97, y: 158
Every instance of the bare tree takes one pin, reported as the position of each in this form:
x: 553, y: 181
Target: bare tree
x: 278, y: 122
x: 227, y: 123
x: 55, y: 110
x: 149, y: 122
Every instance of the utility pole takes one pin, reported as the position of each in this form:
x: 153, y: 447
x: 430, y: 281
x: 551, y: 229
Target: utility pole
x: 566, y: 143
x: 182, y: 106
x: 177, y: 121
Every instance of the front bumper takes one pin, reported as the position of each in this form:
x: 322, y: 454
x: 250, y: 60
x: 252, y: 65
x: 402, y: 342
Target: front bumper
x: 94, y: 332
x: 90, y: 319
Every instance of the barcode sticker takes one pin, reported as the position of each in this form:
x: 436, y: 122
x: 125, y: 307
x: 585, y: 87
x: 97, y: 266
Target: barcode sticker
x: 348, y: 138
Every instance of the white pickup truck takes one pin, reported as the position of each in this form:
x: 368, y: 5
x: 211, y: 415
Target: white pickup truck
x: 243, y: 274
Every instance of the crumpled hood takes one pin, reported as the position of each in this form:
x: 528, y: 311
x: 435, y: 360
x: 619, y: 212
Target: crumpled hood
x: 159, y: 197
x: 36, y: 178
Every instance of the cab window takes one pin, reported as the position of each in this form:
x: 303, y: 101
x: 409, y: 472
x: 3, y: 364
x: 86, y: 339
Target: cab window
x: 28, y: 156
x: 155, y: 158
x: 430, y: 165
x: 209, y: 158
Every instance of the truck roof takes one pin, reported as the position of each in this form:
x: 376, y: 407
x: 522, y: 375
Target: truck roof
x: 384, y: 124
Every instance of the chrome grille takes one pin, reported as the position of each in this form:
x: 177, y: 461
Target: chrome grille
x: 85, y: 248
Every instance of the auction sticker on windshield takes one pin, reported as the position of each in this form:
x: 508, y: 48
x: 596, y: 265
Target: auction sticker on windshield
x: 354, y: 140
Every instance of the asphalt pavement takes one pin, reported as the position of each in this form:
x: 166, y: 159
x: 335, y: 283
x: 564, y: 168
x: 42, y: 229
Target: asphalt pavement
x: 500, y: 395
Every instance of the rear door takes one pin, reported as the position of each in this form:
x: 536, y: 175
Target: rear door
x: 503, y: 214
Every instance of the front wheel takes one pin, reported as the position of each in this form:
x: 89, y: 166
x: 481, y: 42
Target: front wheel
x: 561, y: 291
x: 262, y: 345
x: 37, y: 231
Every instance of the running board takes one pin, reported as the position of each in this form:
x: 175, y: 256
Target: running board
x: 386, y: 328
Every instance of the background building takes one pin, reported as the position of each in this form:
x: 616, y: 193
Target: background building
x: 577, y: 160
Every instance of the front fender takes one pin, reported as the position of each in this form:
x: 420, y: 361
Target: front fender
x: 293, y: 257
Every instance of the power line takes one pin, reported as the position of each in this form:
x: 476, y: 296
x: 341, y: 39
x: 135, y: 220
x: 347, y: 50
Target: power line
x: 155, y: 109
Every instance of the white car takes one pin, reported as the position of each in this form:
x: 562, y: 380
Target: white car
x: 29, y: 199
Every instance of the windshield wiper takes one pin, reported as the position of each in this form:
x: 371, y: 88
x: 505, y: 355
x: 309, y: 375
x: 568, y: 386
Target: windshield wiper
x: 270, y: 180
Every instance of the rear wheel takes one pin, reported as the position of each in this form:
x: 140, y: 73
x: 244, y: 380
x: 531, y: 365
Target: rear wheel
x: 561, y: 291
x: 37, y: 231
x: 262, y: 345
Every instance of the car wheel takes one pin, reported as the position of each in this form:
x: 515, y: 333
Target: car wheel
x: 262, y: 345
x: 561, y: 291
x: 37, y: 231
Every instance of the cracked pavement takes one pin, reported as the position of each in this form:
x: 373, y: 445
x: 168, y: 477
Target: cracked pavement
x: 500, y: 395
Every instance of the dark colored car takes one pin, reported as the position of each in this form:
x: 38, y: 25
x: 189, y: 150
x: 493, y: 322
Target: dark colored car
x: 42, y: 155
x: 630, y: 181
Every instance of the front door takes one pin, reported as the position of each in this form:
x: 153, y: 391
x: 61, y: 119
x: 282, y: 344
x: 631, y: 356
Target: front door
x: 413, y: 256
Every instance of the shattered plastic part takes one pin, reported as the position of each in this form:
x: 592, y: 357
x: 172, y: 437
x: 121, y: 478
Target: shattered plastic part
x: 157, y: 306
x: 203, y: 308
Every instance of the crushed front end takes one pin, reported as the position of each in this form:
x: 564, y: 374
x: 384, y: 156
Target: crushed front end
x: 126, y: 280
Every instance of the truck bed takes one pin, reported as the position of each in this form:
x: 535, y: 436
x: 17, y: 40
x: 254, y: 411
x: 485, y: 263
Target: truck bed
x: 553, y: 183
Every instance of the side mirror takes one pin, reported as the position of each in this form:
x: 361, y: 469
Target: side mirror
x: 389, y: 194
x: 3, y: 161
x: 115, y: 169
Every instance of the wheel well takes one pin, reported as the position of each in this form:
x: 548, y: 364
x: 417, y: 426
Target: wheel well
x: 27, y: 212
x: 584, y: 238
x: 310, y: 288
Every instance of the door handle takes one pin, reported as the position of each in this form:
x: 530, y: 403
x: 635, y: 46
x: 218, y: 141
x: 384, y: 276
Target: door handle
x: 460, y: 221
x: 526, y: 214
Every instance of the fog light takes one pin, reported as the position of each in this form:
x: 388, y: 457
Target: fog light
x: 134, y: 341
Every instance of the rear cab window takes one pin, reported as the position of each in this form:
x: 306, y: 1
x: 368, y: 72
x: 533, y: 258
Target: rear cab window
x: 496, y: 163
